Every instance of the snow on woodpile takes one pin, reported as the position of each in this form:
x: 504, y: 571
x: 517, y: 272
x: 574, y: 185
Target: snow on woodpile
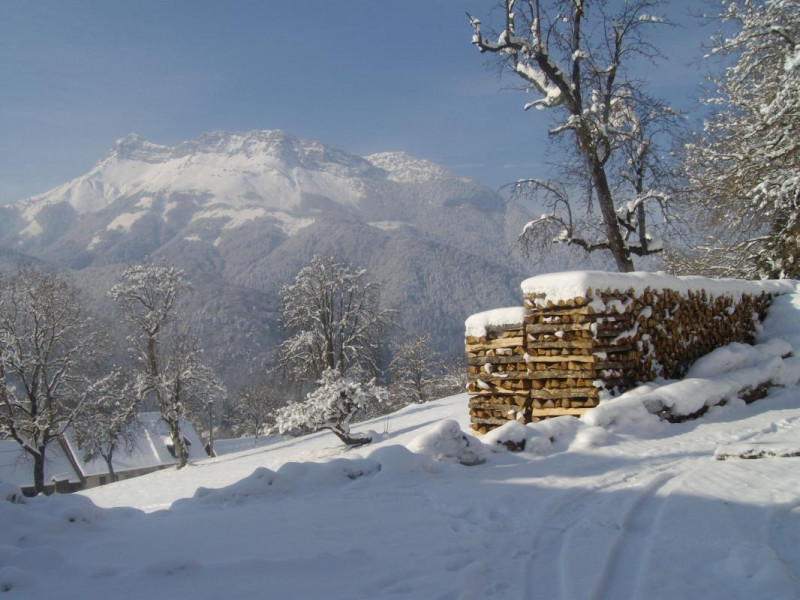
x: 587, y: 333
x: 493, y: 320
x: 573, y: 284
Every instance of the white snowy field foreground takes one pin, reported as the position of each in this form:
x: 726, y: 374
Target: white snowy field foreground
x: 606, y: 507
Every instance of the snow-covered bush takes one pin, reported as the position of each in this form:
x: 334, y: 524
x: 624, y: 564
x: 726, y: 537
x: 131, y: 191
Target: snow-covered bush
x: 11, y: 493
x: 445, y: 442
x: 332, y: 406
x: 511, y: 436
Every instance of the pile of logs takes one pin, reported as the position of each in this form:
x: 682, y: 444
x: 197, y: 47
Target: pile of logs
x: 690, y: 326
x: 498, y: 376
x: 559, y: 359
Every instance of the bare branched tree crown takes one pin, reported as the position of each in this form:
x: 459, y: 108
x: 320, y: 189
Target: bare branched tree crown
x: 171, y: 367
x: 333, y: 319
x: 49, y: 350
x: 109, y: 419
x: 573, y: 57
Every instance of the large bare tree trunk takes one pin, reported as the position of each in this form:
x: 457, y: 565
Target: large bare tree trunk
x: 620, y: 252
x: 177, y: 443
x: 108, y: 458
x: 38, y: 472
x: 350, y: 440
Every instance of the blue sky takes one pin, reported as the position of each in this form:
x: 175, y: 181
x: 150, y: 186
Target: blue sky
x: 363, y: 75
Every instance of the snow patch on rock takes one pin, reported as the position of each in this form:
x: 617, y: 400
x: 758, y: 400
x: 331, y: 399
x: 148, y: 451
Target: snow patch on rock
x: 125, y: 221
x: 406, y: 169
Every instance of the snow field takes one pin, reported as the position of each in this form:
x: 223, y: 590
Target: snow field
x: 599, y: 507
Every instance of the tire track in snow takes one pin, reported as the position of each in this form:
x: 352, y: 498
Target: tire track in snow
x: 628, y: 548
x: 777, y: 532
x: 547, y: 571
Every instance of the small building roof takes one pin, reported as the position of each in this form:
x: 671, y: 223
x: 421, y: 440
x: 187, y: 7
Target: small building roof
x: 151, y: 450
x: 16, y: 465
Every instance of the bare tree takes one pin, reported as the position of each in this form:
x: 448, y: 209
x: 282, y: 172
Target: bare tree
x: 191, y: 384
x: 333, y: 318
x: 172, y: 371
x: 744, y: 167
x: 109, y: 419
x: 415, y: 369
x: 257, y: 405
x: 573, y: 56
x: 48, y: 350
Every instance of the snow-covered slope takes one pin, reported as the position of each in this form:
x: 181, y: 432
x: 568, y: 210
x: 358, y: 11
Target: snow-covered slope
x: 632, y: 510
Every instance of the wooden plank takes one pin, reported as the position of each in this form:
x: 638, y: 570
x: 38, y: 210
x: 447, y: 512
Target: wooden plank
x: 479, y: 361
x: 559, y: 359
x: 557, y: 393
x: 562, y: 374
x: 504, y: 408
x: 507, y: 376
x: 489, y: 421
x: 498, y: 343
x: 493, y: 391
x: 557, y: 412
x: 587, y: 344
x: 606, y: 327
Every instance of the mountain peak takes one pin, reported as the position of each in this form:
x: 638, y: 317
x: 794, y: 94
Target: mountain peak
x: 269, y: 143
x: 135, y: 147
x: 408, y: 169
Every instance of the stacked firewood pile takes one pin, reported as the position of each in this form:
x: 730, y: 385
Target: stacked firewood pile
x: 499, y: 385
x: 560, y: 355
x: 691, y: 325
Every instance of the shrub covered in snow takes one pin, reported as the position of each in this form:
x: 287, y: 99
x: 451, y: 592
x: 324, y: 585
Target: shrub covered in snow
x: 11, y: 493
x: 446, y: 442
x: 332, y: 406
x: 511, y: 436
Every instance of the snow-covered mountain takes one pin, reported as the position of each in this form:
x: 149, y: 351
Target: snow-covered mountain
x: 242, y: 212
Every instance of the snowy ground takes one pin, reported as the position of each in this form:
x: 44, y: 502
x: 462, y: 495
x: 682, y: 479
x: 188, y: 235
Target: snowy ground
x: 634, y: 508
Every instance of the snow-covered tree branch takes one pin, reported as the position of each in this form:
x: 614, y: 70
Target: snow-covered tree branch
x: 744, y: 167
x: 573, y: 57
x: 257, y: 406
x: 416, y: 370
